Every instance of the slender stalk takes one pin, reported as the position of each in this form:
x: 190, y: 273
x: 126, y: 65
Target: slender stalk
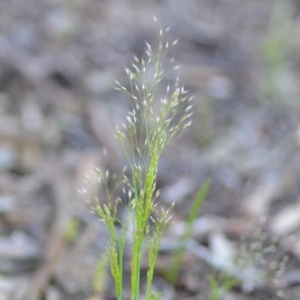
x: 137, y: 263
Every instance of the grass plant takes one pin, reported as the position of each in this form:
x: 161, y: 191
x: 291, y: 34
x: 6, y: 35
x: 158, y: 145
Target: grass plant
x: 257, y: 268
x: 154, y: 121
x: 156, y: 118
x: 173, y: 273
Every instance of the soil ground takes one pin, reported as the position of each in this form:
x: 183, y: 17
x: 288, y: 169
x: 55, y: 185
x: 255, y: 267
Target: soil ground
x: 58, y: 111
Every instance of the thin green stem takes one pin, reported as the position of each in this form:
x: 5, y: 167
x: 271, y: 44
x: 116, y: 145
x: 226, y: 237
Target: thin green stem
x: 136, y: 266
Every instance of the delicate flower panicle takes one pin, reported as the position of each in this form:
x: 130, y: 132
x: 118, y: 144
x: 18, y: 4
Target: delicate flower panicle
x: 90, y: 186
x: 144, y: 124
x: 258, y: 255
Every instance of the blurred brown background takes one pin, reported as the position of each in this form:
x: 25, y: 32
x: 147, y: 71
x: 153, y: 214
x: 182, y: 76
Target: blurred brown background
x: 58, y: 110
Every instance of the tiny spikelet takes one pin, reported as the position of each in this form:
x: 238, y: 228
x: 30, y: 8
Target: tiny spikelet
x: 115, y: 270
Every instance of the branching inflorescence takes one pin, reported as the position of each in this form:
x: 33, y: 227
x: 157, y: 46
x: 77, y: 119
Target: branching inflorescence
x: 155, y: 120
